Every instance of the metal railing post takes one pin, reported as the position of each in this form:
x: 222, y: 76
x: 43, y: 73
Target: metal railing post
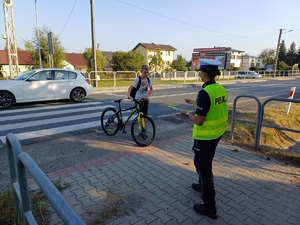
x: 19, y: 163
x: 257, y: 117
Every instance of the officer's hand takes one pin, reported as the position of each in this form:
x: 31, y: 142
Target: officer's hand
x: 183, y: 112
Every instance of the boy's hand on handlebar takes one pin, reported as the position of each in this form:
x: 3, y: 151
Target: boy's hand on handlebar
x: 129, y: 97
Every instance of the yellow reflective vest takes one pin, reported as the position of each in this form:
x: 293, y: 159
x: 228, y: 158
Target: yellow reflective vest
x: 216, y: 119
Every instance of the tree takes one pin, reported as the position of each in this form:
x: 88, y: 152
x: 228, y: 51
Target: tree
x: 127, y: 61
x: 267, y: 55
x: 283, y: 66
x: 253, y: 68
x: 291, y: 55
x: 282, y: 52
x: 179, y: 64
x: 156, y: 63
x: 89, y: 58
x: 298, y: 57
x: 32, y: 48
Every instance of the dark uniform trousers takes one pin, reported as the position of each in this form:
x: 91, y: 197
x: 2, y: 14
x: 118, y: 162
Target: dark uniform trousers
x: 204, y: 154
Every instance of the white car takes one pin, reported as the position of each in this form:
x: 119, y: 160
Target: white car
x: 43, y: 85
x: 247, y: 74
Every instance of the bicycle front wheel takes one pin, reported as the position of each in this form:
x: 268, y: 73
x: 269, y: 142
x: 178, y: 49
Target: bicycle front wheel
x: 109, y: 121
x: 143, y: 133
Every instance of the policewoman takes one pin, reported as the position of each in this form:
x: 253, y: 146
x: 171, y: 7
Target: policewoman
x: 210, y: 120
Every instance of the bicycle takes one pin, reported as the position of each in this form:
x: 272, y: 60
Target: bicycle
x: 143, y: 129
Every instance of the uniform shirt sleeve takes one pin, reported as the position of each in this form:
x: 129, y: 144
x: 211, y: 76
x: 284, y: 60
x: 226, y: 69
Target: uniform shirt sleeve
x: 203, y: 103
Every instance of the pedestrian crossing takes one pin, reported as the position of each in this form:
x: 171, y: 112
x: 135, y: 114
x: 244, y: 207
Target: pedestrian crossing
x: 44, y: 121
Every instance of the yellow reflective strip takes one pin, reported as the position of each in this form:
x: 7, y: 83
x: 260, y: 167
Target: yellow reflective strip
x: 209, y: 132
x: 215, y: 122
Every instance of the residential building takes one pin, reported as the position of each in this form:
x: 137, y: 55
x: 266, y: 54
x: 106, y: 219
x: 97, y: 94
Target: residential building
x: 227, y: 55
x: 167, y: 52
x: 250, y: 61
x: 76, y: 61
x: 25, y: 62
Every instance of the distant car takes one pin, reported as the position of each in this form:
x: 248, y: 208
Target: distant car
x: 247, y: 75
x: 43, y: 85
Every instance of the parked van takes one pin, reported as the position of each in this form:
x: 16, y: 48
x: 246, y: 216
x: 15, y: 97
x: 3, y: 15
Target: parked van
x: 247, y: 74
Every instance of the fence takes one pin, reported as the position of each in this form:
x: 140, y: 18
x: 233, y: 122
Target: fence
x: 259, y: 117
x: 113, y: 79
x: 19, y: 162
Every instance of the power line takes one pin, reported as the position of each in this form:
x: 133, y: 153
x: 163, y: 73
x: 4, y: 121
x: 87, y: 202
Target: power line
x: 189, y: 24
x: 68, y: 17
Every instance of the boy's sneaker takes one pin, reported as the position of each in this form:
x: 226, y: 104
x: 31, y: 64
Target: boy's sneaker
x: 197, y: 187
x: 203, y: 209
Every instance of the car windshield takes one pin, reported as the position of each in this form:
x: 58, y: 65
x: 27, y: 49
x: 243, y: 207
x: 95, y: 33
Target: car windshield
x: 25, y: 75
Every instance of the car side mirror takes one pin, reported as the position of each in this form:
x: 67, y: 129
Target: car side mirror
x: 31, y: 79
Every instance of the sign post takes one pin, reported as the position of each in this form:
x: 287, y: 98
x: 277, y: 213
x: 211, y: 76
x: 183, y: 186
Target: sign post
x: 291, y: 96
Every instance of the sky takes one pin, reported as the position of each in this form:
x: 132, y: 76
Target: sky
x: 120, y: 25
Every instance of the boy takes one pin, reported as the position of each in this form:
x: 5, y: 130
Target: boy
x: 143, y: 81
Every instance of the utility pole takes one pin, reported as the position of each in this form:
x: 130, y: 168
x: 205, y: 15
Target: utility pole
x: 93, y: 37
x: 11, y: 43
x: 38, y: 34
x: 277, y: 50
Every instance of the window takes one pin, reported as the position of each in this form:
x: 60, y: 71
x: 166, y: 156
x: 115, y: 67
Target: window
x: 232, y: 56
x: 43, y: 75
x: 59, y: 75
x: 72, y: 75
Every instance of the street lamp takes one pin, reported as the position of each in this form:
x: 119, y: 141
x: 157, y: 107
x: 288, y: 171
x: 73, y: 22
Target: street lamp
x: 277, y: 50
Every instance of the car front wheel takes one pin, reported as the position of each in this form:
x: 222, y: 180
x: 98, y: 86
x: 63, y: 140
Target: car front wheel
x: 77, y: 94
x: 6, y: 99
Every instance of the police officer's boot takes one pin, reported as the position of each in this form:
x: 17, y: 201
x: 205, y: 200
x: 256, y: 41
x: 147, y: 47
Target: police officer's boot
x: 207, y: 209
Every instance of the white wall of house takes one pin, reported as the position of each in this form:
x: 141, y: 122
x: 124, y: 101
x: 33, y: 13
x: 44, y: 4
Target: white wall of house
x: 250, y: 61
x: 67, y: 65
x: 167, y: 56
x: 236, y: 59
x: 22, y: 68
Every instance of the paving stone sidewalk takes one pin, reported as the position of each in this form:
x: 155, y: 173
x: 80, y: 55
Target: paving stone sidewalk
x: 152, y: 185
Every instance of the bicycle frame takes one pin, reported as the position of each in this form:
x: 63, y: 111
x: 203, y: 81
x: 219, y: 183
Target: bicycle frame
x: 134, y: 110
x: 142, y: 126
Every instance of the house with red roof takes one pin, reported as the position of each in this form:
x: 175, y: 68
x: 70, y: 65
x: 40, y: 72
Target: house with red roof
x: 24, y: 59
x: 76, y: 61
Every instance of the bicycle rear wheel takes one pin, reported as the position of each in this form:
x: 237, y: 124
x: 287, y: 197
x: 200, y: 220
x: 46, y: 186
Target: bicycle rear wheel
x: 145, y: 136
x: 109, y: 121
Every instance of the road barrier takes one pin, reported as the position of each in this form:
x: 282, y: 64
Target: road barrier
x: 19, y: 162
x: 259, y: 117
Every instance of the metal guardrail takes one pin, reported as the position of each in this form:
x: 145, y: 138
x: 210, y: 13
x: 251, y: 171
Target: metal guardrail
x: 19, y: 162
x: 259, y: 117
x: 233, y: 118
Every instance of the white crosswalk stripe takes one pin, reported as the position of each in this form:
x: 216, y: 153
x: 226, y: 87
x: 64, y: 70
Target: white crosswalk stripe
x: 44, y: 126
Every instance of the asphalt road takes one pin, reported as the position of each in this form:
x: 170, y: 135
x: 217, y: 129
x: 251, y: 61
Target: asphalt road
x: 56, y: 142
